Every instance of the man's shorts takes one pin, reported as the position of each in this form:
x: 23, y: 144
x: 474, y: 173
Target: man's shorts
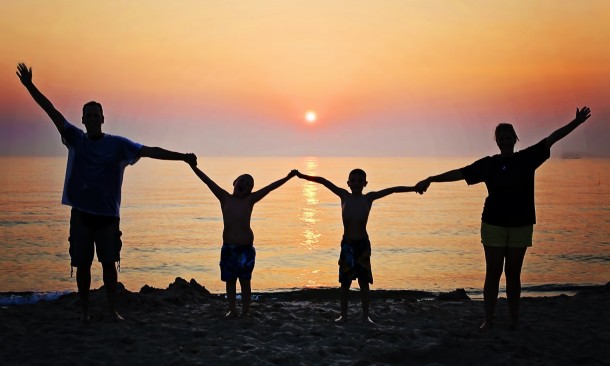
x: 355, y: 261
x: 237, y: 261
x: 87, y: 229
x: 507, y: 236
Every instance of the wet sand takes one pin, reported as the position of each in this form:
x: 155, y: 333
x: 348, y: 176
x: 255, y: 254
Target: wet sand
x: 184, y: 325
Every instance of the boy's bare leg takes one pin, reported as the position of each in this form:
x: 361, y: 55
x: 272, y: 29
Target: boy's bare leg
x: 246, y: 295
x: 110, y: 283
x: 344, y: 301
x: 364, y: 293
x: 231, y: 286
x: 83, y: 283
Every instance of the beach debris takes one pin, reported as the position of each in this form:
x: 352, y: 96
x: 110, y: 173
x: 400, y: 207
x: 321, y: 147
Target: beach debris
x: 455, y: 295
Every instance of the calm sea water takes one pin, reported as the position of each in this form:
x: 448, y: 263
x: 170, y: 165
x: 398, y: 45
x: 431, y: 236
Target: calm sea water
x: 172, y: 225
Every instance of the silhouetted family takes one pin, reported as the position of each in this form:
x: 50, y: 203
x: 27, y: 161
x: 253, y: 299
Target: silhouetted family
x: 94, y: 176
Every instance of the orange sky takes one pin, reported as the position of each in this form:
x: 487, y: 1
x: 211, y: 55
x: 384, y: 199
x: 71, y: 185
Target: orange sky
x: 236, y: 77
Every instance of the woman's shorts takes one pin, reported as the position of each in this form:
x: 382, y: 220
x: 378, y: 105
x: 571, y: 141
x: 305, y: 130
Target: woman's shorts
x: 507, y: 236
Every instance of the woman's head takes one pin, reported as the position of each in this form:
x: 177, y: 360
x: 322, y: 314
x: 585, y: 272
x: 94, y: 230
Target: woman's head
x: 506, y: 137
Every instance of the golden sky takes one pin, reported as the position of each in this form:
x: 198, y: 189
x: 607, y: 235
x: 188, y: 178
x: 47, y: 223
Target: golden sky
x: 387, y: 77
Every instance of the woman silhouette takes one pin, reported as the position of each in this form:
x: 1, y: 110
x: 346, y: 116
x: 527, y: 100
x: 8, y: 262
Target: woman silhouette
x: 509, y: 213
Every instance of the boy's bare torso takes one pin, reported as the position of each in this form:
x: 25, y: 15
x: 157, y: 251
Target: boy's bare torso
x: 236, y: 213
x: 355, y: 214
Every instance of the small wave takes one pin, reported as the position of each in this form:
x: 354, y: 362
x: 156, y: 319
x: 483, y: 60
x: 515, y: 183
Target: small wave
x: 14, y: 223
x: 546, y: 290
x: 586, y: 258
x: 208, y: 218
x: 320, y: 293
x: 27, y: 298
x: 558, y: 288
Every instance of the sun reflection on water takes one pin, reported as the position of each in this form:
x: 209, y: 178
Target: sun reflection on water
x: 310, y: 236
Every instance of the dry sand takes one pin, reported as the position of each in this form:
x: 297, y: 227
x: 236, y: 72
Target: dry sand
x: 184, y: 325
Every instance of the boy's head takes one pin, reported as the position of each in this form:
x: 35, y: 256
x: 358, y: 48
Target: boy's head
x: 356, y: 180
x: 242, y: 186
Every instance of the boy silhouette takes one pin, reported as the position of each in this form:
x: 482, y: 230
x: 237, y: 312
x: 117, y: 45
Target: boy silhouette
x: 355, y: 257
x: 238, y: 255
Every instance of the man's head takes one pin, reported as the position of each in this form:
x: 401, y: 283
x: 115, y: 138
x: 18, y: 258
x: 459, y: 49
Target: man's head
x: 356, y: 180
x: 242, y: 186
x: 93, y: 115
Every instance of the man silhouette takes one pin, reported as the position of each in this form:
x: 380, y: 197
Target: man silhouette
x: 92, y: 187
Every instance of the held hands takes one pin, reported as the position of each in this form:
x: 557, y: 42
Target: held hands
x: 292, y: 173
x: 422, y: 186
x: 191, y: 159
x: 24, y: 74
x: 298, y: 173
x: 583, y: 114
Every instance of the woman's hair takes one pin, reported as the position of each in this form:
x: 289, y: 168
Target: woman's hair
x: 506, y: 127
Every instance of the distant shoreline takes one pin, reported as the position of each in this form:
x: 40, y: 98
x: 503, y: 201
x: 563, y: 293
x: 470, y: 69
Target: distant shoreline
x: 11, y: 298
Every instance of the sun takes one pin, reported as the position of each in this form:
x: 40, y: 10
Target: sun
x: 311, y: 116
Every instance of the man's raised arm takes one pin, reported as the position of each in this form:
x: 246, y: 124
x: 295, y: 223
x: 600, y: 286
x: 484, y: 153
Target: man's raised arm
x: 25, y: 76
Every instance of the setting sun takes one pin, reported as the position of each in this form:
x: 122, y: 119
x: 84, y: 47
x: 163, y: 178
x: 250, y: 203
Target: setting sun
x: 311, y: 116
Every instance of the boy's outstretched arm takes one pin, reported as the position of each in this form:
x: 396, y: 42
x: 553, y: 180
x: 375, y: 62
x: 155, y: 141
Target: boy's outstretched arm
x: 220, y: 193
x: 581, y: 116
x: 258, y: 195
x: 325, y: 182
x: 25, y: 76
x: 388, y: 191
x: 450, y: 176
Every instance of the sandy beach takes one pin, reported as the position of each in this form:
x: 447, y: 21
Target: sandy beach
x: 184, y: 324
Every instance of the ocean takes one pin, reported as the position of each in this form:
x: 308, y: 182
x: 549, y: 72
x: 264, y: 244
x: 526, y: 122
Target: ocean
x: 172, y: 225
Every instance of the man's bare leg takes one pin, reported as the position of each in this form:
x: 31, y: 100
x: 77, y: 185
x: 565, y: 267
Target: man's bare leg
x: 83, y: 283
x: 110, y: 283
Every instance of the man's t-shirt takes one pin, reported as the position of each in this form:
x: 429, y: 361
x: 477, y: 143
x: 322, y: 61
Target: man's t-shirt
x: 510, y: 185
x: 94, y: 174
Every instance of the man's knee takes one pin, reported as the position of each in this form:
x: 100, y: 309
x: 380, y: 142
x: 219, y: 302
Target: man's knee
x: 109, y: 265
x: 83, y: 269
x: 109, y: 270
